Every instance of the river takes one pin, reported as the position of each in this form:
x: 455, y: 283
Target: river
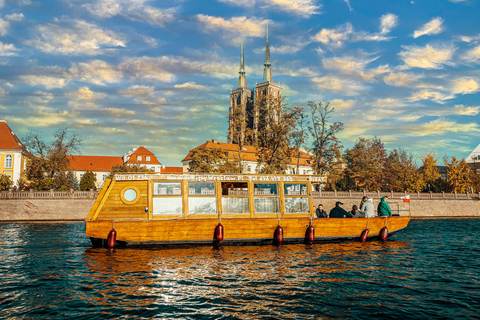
x: 428, y: 271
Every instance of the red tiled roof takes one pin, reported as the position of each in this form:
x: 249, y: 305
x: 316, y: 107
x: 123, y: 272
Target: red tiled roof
x: 248, y: 153
x: 8, y: 139
x: 94, y: 163
x: 142, y: 151
x: 172, y: 170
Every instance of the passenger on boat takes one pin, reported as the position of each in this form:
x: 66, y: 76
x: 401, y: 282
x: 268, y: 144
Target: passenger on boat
x: 320, y: 213
x: 339, y: 212
x: 367, y: 208
x: 383, y: 209
x: 355, y: 212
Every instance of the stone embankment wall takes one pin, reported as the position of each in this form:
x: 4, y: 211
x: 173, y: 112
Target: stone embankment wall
x: 45, y: 209
x: 77, y: 209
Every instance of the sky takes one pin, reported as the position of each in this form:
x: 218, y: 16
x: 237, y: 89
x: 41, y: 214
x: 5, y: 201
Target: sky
x: 158, y: 74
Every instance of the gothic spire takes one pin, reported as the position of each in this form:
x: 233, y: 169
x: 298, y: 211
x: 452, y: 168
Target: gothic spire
x: 267, y: 71
x: 242, y: 81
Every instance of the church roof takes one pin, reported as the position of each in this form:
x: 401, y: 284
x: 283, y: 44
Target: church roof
x: 8, y: 139
x: 249, y: 153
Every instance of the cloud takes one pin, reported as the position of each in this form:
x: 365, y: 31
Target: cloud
x: 388, y: 22
x: 4, y: 26
x: 465, y: 86
x: 435, y: 96
x: 7, y: 49
x: 234, y: 26
x: 340, y: 104
x: 42, y: 117
x: 350, y: 65
x: 428, y: 57
x: 131, y: 10
x: 141, y: 92
x: 335, y: 84
x: 120, y: 113
x: 2, y: 92
x: 334, y: 37
x: 96, y: 71
x: 17, y: 17
x: 460, y: 109
x: 75, y: 38
x: 303, y: 8
x: 472, y: 55
x: 401, y: 79
x: 409, y: 118
x: 85, y: 94
x: 48, y: 82
x: 434, y: 26
x: 387, y: 102
x: 190, y: 86
x: 440, y: 127
x: 112, y: 131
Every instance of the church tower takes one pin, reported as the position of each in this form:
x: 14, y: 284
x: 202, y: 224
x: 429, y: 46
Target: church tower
x: 267, y: 95
x: 241, y: 105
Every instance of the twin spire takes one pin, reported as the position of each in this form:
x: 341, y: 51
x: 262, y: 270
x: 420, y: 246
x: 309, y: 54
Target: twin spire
x: 267, y: 71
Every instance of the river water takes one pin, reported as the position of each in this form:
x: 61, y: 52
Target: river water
x: 430, y: 270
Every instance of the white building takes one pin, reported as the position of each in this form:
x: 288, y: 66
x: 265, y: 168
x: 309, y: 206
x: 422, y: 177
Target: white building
x: 12, y: 162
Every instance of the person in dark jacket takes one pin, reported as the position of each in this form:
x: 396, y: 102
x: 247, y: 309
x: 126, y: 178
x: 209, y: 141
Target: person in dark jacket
x: 339, y: 212
x: 320, y: 213
x: 383, y: 209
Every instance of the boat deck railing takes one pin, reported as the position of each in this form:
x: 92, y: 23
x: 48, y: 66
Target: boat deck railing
x: 48, y: 194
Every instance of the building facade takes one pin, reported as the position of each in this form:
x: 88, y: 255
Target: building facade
x: 250, y: 162
x: 247, y: 106
x: 12, y: 161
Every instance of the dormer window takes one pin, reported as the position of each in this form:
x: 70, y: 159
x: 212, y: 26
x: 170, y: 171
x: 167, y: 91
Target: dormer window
x: 147, y: 158
x: 139, y: 158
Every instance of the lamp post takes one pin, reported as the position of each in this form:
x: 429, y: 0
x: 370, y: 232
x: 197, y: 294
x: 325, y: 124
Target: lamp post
x: 356, y: 186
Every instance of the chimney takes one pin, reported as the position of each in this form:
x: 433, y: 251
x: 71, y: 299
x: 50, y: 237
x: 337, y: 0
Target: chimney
x: 214, y: 141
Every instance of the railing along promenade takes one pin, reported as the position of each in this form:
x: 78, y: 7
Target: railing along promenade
x: 398, y: 195
x: 48, y: 194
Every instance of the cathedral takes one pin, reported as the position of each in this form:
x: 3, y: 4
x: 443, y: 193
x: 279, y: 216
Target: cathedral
x: 245, y: 105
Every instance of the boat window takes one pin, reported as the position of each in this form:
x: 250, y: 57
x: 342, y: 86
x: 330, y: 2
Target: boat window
x: 235, y: 205
x: 297, y: 205
x: 295, y: 189
x: 201, y: 188
x: 234, y: 189
x: 265, y: 189
x: 267, y: 204
x: 167, y: 188
x: 202, y: 205
x: 167, y: 206
x: 130, y: 195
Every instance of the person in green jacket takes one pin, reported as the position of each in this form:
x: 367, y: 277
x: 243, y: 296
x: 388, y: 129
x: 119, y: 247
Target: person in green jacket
x: 383, y: 209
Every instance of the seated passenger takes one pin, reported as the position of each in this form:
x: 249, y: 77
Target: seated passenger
x: 320, y: 213
x: 383, y: 209
x: 368, y: 209
x: 339, y: 212
x: 355, y: 212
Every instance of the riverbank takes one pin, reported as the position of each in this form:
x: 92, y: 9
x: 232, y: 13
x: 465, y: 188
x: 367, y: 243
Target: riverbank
x: 52, y: 210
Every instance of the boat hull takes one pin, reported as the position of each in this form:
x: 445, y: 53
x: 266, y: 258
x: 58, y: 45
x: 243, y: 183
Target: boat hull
x: 239, y: 230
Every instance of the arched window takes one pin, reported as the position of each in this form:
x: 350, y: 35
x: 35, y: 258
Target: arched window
x: 8, y: 162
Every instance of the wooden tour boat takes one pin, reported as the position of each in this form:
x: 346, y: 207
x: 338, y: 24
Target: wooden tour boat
x: 185, y: 209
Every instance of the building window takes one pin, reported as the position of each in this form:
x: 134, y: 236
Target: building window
x: 81, y: 176
x: 104, y: 177
x: 147, y: 158
x: 8, y: 161
x: 249, y: 168
x: 226, y: 154
x: 139, y: 158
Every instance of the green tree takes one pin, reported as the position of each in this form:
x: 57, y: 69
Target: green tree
x: 88, y: 181
x: 365, y: 163
x: 209, y: 160
x: 326, y: 146
x: 47, y: 162
x: 401, y: 172
x: 429, y: 169
x: 239, y: 133
x: 459, y: 174
x: 275, y: 124
x: 5, y: 182
x: 299, y: 134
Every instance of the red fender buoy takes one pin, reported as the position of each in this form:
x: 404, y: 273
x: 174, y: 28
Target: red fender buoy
x: 112, y: 238
x: 364, y: 235
x: 279, y: 235
x: 384, y: 233
x: 219, y: 232
x: 310, y: 234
